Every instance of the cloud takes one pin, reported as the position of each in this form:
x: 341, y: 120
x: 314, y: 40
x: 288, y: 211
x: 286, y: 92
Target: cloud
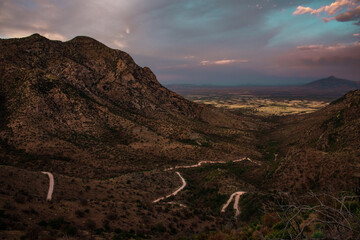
x: 127, y: 30
x: 323, y: 47
x: 310, y: 47
x: 165, y: 34
x: 223, y: 62
x: 300, y: 10
x: 352, y: 13
x: 119, y: 44
x: 339, y: 59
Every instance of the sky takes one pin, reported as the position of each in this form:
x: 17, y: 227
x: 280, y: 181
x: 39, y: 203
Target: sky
x: 207, y: 42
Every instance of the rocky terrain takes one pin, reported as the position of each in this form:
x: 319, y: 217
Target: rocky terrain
x: 320, y: 150
x: 106, y: 129
x: 133, y: 160
x: 80, y: 107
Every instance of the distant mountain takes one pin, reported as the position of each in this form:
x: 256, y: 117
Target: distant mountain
x: 333, y: 83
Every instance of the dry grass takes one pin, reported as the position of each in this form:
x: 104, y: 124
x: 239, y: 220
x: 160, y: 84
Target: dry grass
x: 262, y: 106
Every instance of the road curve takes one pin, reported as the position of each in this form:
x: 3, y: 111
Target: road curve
x: 174, y: 193
x: 51, y: 185
x: 237, y: 196
x: 212, y: 162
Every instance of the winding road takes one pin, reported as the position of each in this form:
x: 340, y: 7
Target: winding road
x: 174, y: 193
x: 212, y: 162
x: 237, y: 196
x: 51, y: 185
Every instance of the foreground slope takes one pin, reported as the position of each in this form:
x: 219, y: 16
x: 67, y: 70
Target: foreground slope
x: 79, y: 105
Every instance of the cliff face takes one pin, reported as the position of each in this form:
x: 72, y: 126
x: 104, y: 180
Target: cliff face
x: 82, y: 100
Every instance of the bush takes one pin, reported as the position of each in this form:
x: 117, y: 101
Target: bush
x: 57, y: 223
x: 90, y: 224
x: 270, y: 219
x: 42, y: 223
x: 79, y: 213
x: 71, y: 230
x: 318, y: 234
x: 3, y: 225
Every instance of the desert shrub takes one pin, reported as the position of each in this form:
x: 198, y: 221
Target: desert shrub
x: 121, y: 235
x: 318, y: 234
x: 159, y: 227
x: 19, y: 198
x: 57, y: 223
x: 33, y: 233
x: 217, y: 236
x: 79, y: 213
x: 270, y: 219
x: 99, y: 231
x: 70, y: 230
x: 42, y: 223
x: 251, y: 206
x: 84, y: 202
x: 112, y: 216
x: 3, y: 225
x: 90, y: 224
x: 202, y: 236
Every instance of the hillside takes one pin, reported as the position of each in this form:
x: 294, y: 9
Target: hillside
x: 81, y: 105
x: 319, y: 151
x: 122, y: 157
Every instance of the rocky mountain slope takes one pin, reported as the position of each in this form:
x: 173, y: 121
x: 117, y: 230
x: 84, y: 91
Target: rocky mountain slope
x: 81, y: 105
x: 107, y: 129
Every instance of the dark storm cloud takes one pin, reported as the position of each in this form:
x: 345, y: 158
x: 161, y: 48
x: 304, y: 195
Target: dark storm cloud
x: 351, y: 15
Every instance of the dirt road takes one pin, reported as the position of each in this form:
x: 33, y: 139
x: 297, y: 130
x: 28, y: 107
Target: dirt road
x: 51, y: 185
x: 174, y: 193
x: 237, y: 196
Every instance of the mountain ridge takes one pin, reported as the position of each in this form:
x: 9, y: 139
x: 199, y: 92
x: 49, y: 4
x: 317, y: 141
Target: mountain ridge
x: 81, y: 99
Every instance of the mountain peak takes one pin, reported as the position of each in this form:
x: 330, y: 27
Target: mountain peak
x: 333, y: 82
x: 83, y: 39
x: 36, y: 37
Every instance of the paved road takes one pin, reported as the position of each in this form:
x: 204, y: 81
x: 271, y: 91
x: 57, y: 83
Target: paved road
x: 237, y: 196
x: 174, y: 193
x: 51, y: 185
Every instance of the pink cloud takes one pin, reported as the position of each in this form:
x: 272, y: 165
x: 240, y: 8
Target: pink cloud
x: 322, y: 47
x: 310, y: 47
x: 300, y: 10
x: 223, y: 62
x: 352, y: 12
